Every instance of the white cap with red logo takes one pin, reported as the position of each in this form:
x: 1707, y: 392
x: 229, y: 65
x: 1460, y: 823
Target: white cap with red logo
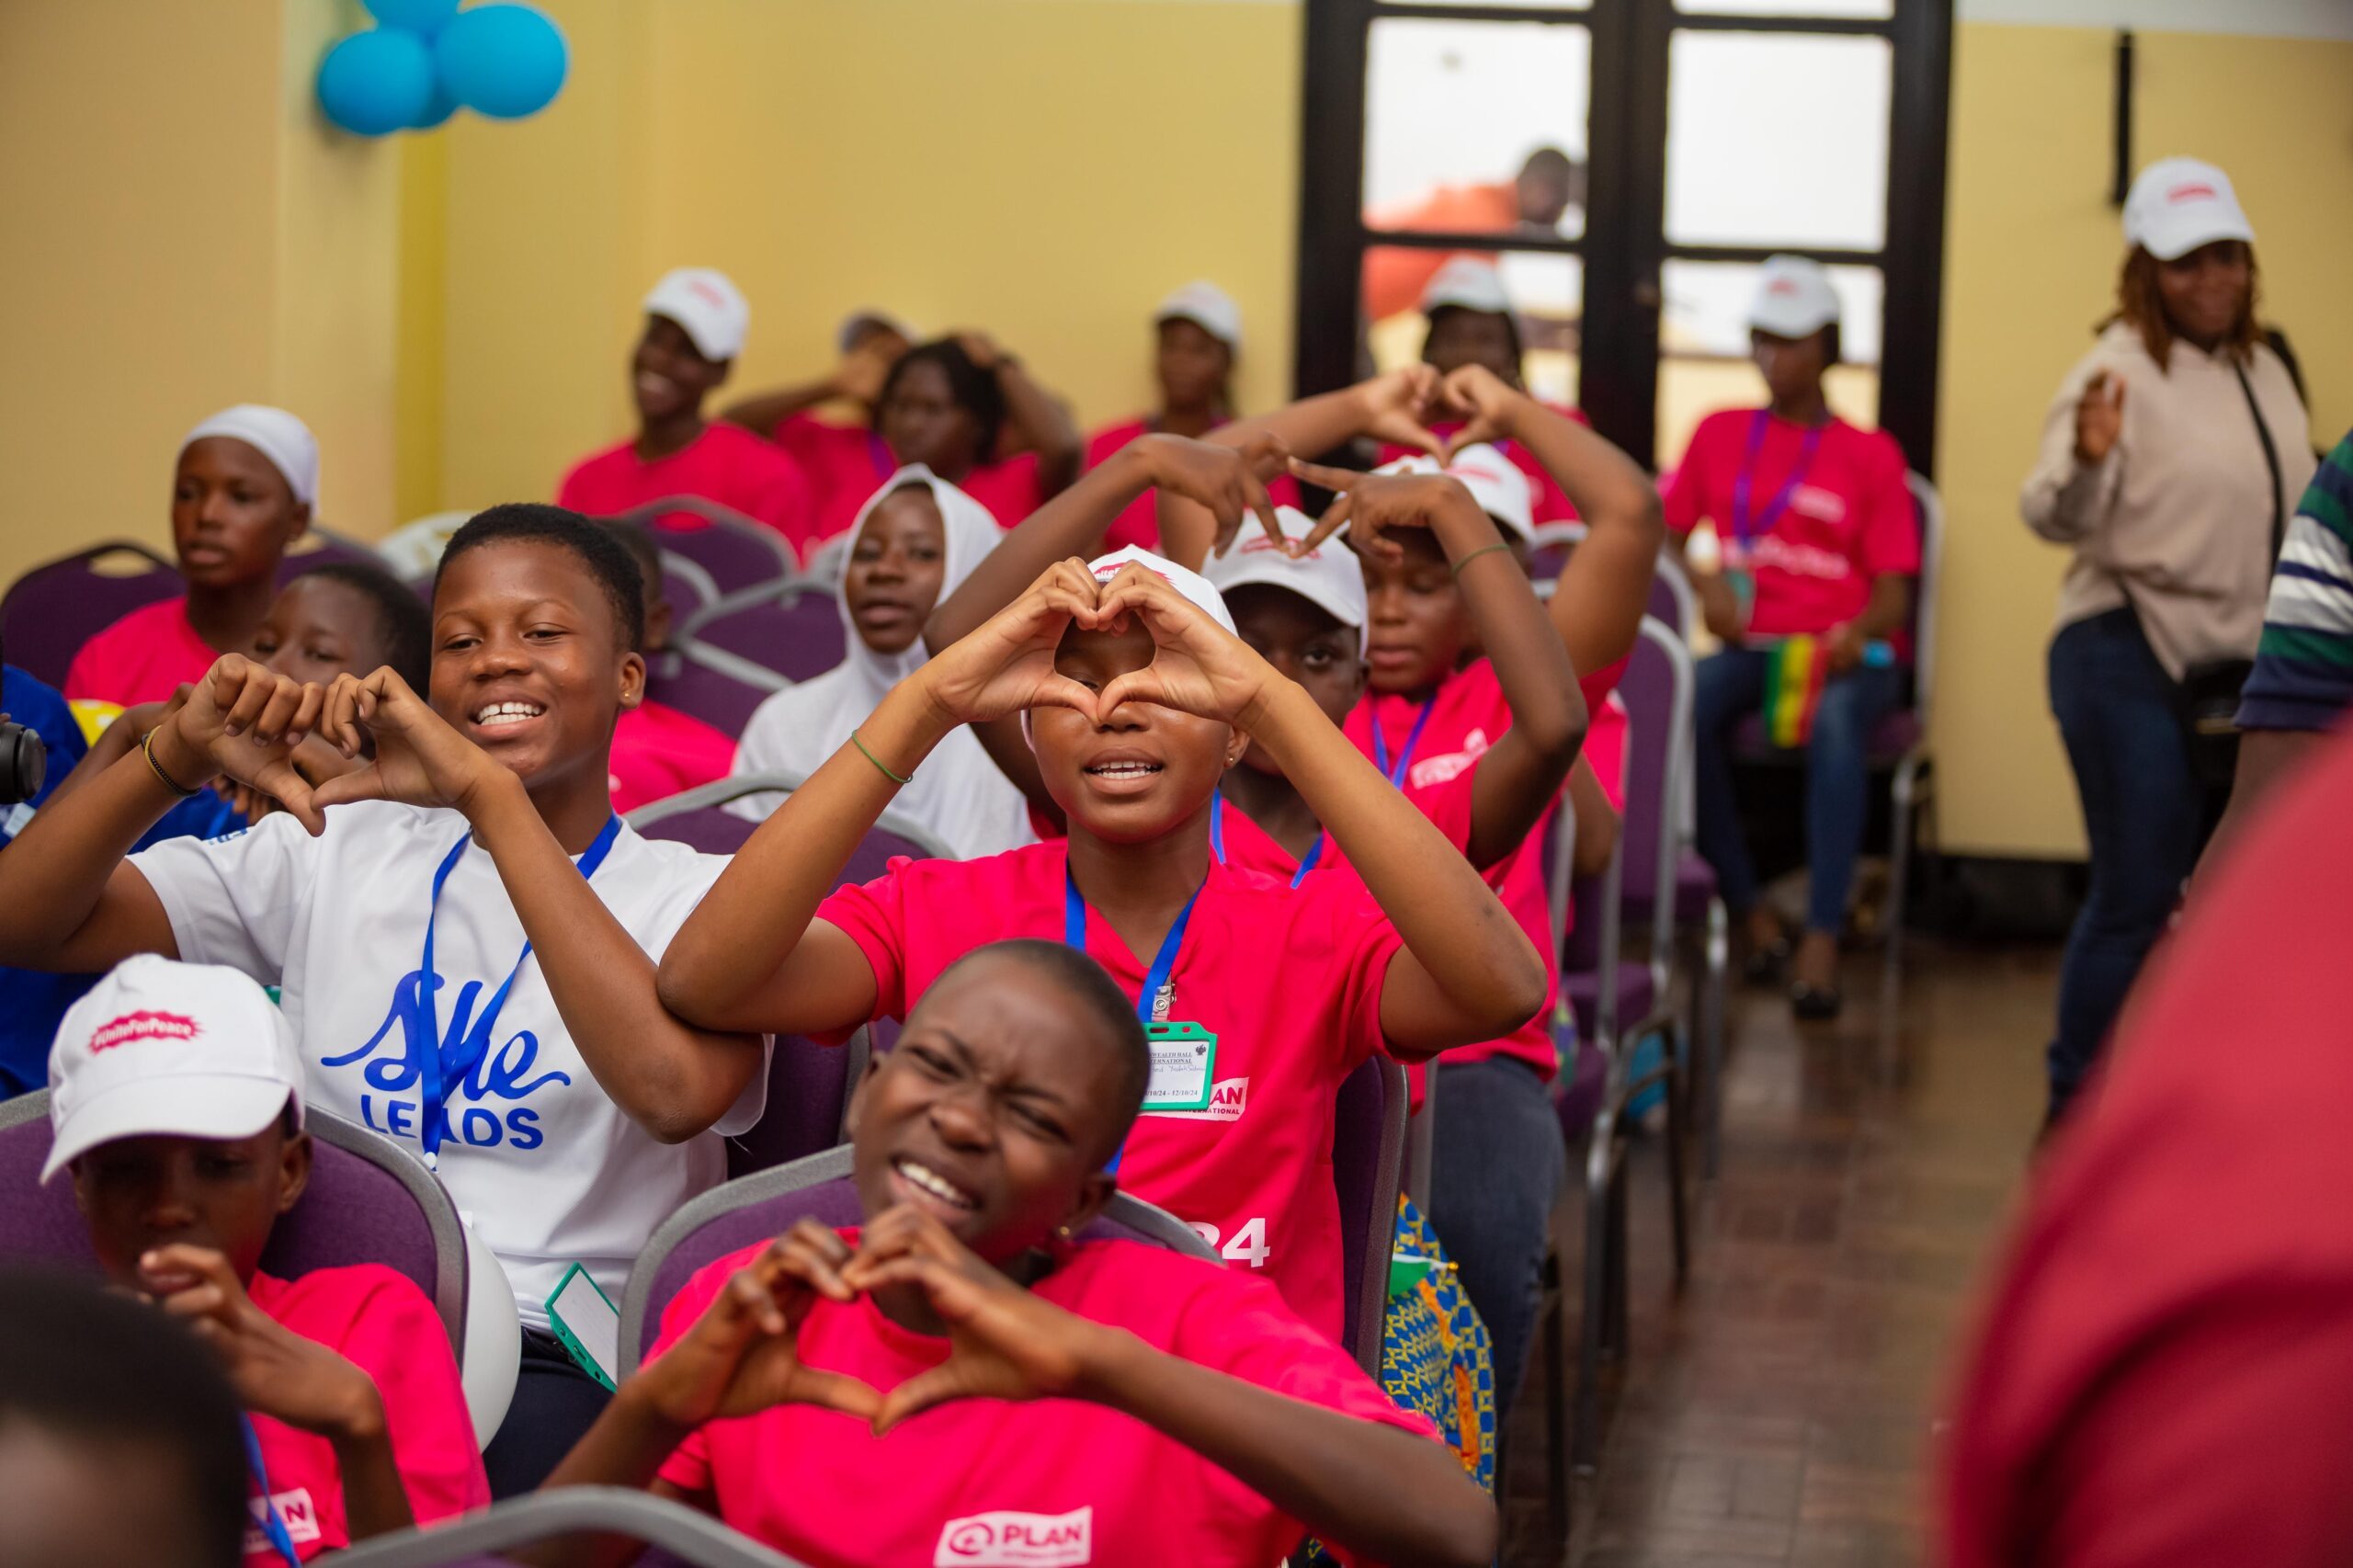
x: 1207, y: 306
x: 159, y: 1047
x: 1329, y: 576
x: 2179, y: 204
x: 707, y: 304
x: 1794, y: 298
x: 1500, y: 489
x: 1191, y: 585
x: 1466, y: 283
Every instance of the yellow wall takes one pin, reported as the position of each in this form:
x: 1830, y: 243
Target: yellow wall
x: 182, y: 234
x: 2030, y: 260
x: 452, y: 312
x: 1044, y: 168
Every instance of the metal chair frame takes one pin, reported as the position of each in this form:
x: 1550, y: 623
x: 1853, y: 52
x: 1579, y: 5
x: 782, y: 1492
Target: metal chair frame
x: 688, y: 1534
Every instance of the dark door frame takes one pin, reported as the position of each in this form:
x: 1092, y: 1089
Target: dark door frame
x: 1625, y: 245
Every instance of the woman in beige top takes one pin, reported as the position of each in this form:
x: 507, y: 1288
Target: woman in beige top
x: 2154, y: 470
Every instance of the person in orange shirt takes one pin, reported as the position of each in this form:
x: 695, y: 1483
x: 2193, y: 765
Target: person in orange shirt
x: 1547, y: 186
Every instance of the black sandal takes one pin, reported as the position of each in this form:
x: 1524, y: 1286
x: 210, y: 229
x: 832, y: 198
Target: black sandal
x: 1815, y: 1004
x: 1767, y: 964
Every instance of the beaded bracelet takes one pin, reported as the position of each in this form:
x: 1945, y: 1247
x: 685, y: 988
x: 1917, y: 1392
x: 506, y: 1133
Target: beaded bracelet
x: 147, y: 750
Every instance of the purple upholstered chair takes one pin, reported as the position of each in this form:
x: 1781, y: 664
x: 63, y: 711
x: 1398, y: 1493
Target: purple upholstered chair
x: 1618, y: 1002
x: 695, y: 817
x: 674, y: 1532
x: 753, y: 1208
x: 723, y: 698
x: 808, y: 1104
x: 738, y: 552
x: 369, y: 1201
x: 54, y: 608
x: 1369, y: 1168
x: 795, y: 632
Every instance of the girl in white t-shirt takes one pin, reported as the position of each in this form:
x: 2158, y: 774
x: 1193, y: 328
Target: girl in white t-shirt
x: 464, y: 932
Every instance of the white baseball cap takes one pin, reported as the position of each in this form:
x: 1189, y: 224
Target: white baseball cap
x: 1207, y: 306
x: 2179, y: 204
x: 159, y: 1047
x: 853, y: 326
x: 1794, y: 298
x: 1191, y: 585
x: 276, y: 435
x: 1469, y: 284
x: 707, y: 304
x: 1329, y: 576
x: 1499, y: 488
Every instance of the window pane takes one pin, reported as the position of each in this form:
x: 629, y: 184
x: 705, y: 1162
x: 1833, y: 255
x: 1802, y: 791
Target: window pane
x: 1453, y: 112
x: 1778, y: 139
x: 1703, y: 348
x: 1547, y: 294
x: 1873, y: 9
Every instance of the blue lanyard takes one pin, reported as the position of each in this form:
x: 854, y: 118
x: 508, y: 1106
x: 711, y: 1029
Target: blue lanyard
x: 1217, y: 841
x: 1412, y: 738
x: 1743, y: 525
x: 1155, y: 978
x: 442, y: 1073
x: 273, y: 1524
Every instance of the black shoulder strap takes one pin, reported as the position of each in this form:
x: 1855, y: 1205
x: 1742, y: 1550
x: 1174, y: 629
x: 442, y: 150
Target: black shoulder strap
x: 2270, y: 460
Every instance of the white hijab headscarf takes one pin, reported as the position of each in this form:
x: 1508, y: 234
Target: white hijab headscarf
x: 958, y: 794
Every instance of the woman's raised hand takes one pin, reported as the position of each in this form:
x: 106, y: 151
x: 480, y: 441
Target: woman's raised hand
x: 1003, y: 1341
x: 1397, y: 405
x: 1230, y: 482
x: 1487, y: 403
x: 1198, y: 666
x: 744, y: 1355
x: 243, y: 718
x: 420, y: 759
x: 2099, y: 418
x: 1007, y: 664
x: 1369, y: 504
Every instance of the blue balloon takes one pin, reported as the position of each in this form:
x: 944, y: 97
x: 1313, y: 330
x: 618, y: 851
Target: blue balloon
x: 373, y: 84
x: 427, y: 17
x: 438, y: 109
x: 501, y: 61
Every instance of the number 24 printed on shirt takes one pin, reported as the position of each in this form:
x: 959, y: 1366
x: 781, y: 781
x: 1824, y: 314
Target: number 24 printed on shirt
x: 1248, y: 1245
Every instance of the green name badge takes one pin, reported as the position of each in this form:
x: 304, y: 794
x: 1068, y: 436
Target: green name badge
x: 1184, y: 1064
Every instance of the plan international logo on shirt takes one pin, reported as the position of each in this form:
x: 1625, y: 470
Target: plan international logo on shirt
x: 1228, y: 1099
x: 294, y: 1507
x: 1009, y: 1539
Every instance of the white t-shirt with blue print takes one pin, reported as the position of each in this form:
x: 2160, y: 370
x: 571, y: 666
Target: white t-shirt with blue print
x: 546, y: 1168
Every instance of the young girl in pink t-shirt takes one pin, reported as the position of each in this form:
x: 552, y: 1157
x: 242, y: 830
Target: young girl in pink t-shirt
x: 968, y: 1375
x: 176, y: 1107
x: 242, y: 492
x: 1138, y: 697
x: 960, y: 407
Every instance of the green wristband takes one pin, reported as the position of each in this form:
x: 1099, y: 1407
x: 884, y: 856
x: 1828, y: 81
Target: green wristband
x: 1483, y: 549
x: 876, y: 761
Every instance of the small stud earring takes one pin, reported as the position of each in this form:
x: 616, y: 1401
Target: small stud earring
x: 1062, y: 1230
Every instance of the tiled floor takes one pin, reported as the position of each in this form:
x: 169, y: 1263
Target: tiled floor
x: 1776, y: 1413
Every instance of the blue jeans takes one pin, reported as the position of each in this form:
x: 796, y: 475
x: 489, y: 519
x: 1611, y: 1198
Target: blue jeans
x: 1731, y: 687
x: 1498, y: 1161
x: 2144, y: 815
